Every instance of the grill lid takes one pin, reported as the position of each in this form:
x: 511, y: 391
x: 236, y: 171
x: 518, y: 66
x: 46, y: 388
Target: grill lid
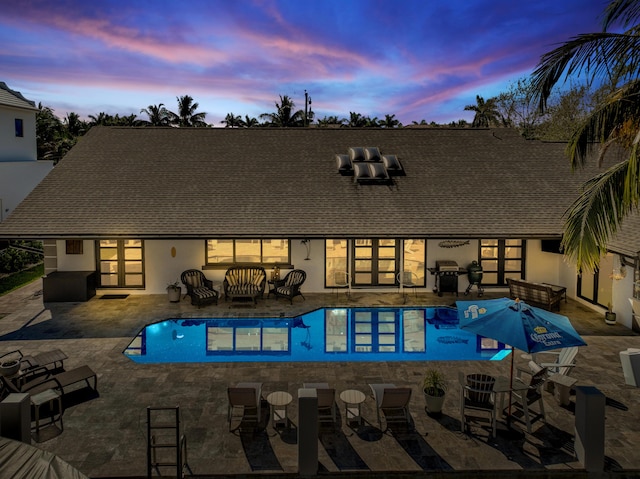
x: 446, y: 265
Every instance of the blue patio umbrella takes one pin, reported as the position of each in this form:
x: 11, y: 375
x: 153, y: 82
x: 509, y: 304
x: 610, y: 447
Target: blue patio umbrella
x: 519, y: 325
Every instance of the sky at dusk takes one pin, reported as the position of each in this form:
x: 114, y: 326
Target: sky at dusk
x: 417, y: 59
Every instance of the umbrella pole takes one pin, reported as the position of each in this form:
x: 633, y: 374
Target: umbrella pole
x: 510, y: 388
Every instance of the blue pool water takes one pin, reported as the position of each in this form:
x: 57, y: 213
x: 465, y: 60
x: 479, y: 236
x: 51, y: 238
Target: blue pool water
x: 328, y: 334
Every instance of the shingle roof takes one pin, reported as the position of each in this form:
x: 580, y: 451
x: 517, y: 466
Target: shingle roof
x: 267, y: 182
x: 9, y: 97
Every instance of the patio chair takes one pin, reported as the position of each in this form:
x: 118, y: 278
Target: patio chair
x: 392, y: 402
x: 407, y: 280
x: 523, y: 399
x: 244, y: 398
x: 341, y: 280
x: 477, y: 394
x: 43, y: 381
x: 199, y: 288
x: 289, y: 286
x: 53, y: 359
x: 327, y: 411
x: 564, y: 364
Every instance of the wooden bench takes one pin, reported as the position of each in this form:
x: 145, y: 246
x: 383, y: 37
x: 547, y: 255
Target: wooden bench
x: 244, y: 282
x: 536, y: 294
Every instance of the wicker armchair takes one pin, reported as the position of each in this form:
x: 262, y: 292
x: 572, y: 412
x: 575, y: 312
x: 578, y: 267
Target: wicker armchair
x: 199, y: 288
x: 289, y: 286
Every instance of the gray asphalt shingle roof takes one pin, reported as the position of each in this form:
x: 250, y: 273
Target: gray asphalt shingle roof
x: 264, y: 182
x: 12, y: 98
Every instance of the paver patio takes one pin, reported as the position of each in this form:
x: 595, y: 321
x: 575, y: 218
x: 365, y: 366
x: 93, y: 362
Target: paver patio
x: 105, y: 436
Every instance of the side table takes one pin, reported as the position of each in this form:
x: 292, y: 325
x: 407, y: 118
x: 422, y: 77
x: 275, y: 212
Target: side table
x: 49, y: 396
x: 352, y: 400
x: 279, y: 400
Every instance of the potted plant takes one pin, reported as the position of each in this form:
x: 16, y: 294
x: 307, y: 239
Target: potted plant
x: 609, y: 315
x: 434, y: 386
x: 9, y: 368
x: 174, y: 290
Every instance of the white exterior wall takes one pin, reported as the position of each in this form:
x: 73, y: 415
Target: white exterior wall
x: 162, y: 268
x: 13, y: 148
x: 17, y: 179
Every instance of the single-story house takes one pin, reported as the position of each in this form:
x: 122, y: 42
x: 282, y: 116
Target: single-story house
x: 137, y: 206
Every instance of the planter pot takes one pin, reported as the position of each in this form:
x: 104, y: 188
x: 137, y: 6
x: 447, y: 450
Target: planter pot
x: 10, y: 368
x: 610, y: 318
x: 433, y: 403
x: 174, y: 294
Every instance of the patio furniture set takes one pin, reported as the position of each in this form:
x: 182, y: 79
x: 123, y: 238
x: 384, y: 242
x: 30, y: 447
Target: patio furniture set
x: 42, y: 376
x: 482, y: 397
x: 242, y: 283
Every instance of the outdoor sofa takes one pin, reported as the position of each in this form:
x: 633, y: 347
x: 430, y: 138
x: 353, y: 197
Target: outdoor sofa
x: 244, y: 282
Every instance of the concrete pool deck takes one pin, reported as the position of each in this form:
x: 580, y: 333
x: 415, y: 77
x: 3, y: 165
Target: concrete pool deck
x: 105, y: 435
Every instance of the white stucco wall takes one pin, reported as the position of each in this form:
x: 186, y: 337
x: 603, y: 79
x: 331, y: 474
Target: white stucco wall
x: 162, y: 268
x: 13, y: 148
x: 17, y: 179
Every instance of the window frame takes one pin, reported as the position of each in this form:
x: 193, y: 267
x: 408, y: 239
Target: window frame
x: 19, y: 127
x: 224, y: 265
x: 121, y: 260
x: 502, y: 259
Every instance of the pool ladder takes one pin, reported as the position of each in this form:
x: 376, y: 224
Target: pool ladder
x: 163, y: 439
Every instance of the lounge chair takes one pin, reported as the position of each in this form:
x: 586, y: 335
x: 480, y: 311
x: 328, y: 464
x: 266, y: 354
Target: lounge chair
x: 326, y: 401
x: 392, y: 402
x: 61, y: 381
x: 53, y: 359
x: 523, y: 399
x: 246, y: 398
x: 477, y: 394
x: 289, y: 286
x: 199, y: 288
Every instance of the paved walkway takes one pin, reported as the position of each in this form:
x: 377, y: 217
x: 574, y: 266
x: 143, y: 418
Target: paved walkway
x: 104, y: 436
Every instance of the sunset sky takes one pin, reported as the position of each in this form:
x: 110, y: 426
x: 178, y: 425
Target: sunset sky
x: 417, y: 59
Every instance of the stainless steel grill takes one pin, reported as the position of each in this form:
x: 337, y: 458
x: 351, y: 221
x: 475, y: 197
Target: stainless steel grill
x: 446, y: 272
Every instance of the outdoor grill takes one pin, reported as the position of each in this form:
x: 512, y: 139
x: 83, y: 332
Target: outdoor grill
x: 447, y: 273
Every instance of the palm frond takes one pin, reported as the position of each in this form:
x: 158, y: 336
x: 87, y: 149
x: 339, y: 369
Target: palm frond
x: 596, y: 215
x: 627, y: 11
x: 598, y: 55
x: 617, y: 119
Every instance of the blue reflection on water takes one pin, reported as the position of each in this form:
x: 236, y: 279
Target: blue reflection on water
x: 328, y: 334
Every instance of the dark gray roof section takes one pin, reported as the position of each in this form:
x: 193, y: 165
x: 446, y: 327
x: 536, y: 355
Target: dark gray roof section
x: 269, y: 182
x: 9, y: 97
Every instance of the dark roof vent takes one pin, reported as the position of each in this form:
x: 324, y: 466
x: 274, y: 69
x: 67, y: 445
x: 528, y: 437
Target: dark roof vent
x: 371, y: 153
x: 392, y: 165
x: 367, y: 165
x: 356, y: 153
x: 370, y: 172
x: 343, y: 162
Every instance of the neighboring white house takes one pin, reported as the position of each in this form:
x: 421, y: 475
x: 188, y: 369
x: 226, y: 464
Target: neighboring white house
x: 134, y: 207
x: 20, y: 171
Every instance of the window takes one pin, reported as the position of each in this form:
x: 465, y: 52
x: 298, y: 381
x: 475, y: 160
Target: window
x: 375, y: 331
x: 74, y: 246
x: 229, y: 251
x: 121, y: 263
x: 248, y: 338
x: 597, y: 287
x: 19, y: 127
x: 501, y: 259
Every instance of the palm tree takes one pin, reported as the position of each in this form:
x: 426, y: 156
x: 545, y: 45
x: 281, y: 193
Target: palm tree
x: 103, y: 119
x: 390, y: 121
x: 250, y: 121
x: 232, y: 121
x: 331, y: 121
x: 371, y: 122
x: 613, y: 194
x: 285, y: 115
x: 158, y: 115
x: 187, y: 115
x: 486, y: 113
x: 356, y: 120
x: 74, y: 125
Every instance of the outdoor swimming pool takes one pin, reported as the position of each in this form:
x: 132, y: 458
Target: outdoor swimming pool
x: 328, y: 334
